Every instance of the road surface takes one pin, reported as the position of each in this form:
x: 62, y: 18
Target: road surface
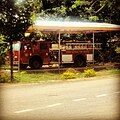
x: 92, y: 99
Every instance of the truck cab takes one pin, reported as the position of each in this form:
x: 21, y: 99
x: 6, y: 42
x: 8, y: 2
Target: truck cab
x: 33, y: 54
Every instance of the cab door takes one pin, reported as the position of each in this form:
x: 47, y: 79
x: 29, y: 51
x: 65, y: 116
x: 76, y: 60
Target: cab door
x: 44, y: 51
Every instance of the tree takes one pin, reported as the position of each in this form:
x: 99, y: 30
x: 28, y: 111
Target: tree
x: 3, y: 48
x: 91, y: 10
x: 15, y: 18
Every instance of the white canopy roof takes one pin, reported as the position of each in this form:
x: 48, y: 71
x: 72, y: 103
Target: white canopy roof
x: 72, y: 27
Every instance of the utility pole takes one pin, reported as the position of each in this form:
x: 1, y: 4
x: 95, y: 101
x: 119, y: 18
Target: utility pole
x: 93, y: 47
x: 11, y: 60
x: 59, y: 53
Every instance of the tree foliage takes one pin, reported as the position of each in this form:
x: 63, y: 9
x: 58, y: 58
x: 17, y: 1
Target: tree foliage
x: 92, y: 10
x: 16, y: 17
x: 3, y: 49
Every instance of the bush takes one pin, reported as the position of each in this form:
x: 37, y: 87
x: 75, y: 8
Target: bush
x: 4, y: 77
x: 117, y: 50
x: 89, y: 73
x: 70, y: 73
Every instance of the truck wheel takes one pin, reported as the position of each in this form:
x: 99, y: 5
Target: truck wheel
x: 36, y: 63
x: 80, y: 61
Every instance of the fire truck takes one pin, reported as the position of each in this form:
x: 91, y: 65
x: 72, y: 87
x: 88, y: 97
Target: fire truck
x: 38, y: 53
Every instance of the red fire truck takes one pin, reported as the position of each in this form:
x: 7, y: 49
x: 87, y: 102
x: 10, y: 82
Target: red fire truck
x: 38, y: 53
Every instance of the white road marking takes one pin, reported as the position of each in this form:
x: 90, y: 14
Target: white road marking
x: 101, y: 95
x: 21, y: 111
x: 28, y: 110
x: 53, y: 105
x: 79, y: 99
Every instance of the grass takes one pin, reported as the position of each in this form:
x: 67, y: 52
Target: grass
x: 24, y: 77
x: 110, y: 72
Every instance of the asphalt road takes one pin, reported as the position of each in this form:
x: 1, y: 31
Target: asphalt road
x: 96, y: 99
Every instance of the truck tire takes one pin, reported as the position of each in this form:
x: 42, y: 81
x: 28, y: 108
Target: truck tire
x: 36, y: 63
x: 80, y: 61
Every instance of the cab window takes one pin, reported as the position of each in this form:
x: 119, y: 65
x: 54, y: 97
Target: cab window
x: 16, y: 46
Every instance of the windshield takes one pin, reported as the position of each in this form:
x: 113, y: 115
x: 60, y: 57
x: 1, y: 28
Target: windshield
x: 16, y: 46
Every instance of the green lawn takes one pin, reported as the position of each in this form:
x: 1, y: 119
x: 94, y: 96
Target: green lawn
x: 36, y: 77
x: 24, y: 77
